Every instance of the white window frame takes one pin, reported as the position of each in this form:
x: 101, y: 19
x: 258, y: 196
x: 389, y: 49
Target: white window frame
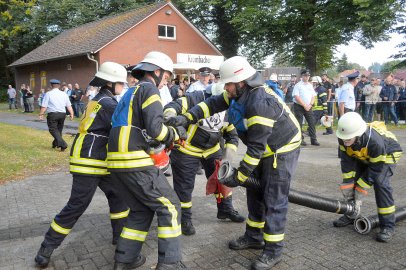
x: 166, y: 32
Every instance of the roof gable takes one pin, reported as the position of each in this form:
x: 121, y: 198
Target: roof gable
x: 89, y: 37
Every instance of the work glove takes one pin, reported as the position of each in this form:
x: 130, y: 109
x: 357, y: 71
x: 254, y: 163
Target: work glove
x: 228, y: 155
x: 231, y: 180
x: 347, y: 189
x: 179, y: 120
x: 169, y: 114
x: 182, y: 133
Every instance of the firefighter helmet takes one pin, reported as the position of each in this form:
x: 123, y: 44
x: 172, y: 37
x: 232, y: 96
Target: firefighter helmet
x: 109, y: 72
x: 217, y: 89
x: 316, y: 79
x: 350, y: 125
x: 153, y: 61
x: 327, y: 120
x: 235, y: 69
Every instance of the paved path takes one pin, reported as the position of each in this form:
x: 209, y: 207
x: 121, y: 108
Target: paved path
x: 28, y: 206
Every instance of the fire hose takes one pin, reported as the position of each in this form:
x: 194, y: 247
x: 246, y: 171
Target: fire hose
x: 300, y: 197
x: 364, y: 225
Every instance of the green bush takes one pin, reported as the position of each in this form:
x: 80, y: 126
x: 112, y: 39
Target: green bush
x: 3, y: 95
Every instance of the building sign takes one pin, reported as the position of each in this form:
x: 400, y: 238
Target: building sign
x: 196, y: 61
x: 43, y: 79
x: 32, y: 81
x: 285, y: 77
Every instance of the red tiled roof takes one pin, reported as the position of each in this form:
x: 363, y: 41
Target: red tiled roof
x: 89, y: 37
x: 400, y: 74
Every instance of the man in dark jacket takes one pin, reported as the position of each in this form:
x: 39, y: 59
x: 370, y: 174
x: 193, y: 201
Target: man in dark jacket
x: 389, y: 96
x: 88, y: 163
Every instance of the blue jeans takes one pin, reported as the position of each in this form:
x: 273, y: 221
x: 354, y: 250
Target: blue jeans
x: 369, y: 112
x: 78, y: 107
x: 12, y: 101
x: 388, y: 108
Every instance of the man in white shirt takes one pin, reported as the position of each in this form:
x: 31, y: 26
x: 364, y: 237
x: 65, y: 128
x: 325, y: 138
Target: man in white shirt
x: 11, y: 92
x: 203, y: 82
x: 55, y: 104
x: 303, y: 98
x: 346, y: 99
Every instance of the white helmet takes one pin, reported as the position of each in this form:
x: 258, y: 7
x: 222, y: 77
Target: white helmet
x: 109, y: 72
x: 327, y: 120
x: 153, y: 61
x: 316, y: 79
x: 350, y: 125
x: 217, y: 89
x: 235, y: 69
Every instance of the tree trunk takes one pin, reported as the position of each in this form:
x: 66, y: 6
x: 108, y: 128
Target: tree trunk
x: 227, y: 36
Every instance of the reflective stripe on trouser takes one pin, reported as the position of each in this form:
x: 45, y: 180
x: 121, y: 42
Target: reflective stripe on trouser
x: 147, y: 192
x: 273, y: 196
x: 83, y: 189
x: 383, y: 192
x: 184, y: 168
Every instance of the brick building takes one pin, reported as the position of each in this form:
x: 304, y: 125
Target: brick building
x: 75, y: 54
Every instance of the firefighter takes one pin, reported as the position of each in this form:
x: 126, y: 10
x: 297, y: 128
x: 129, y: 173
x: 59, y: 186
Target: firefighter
x: 202, y: 145
x: 88, y: 163
x: 320, y: 102
x: 368, y: 158
x: 272, y: 136
x: 136, y: 122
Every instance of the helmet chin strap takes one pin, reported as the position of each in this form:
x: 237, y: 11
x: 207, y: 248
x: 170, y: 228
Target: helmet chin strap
x: 156, y: 78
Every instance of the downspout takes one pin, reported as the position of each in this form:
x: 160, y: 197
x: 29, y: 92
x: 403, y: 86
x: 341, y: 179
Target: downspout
x: 91, y: 58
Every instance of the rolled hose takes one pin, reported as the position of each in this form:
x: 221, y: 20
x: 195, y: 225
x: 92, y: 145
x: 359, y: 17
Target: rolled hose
x: 364, y: 225
x: 298, y: 197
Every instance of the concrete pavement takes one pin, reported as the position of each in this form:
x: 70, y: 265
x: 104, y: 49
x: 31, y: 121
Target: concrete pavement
x: 27, y: 207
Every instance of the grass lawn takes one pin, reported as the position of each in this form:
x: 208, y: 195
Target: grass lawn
x: 25, y: 151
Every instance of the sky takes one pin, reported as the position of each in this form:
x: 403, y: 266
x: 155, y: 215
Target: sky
x: 380, y: 53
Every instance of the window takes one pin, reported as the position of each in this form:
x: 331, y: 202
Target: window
x: 166, y: 31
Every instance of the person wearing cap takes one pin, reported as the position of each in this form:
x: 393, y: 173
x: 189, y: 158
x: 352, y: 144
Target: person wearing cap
x: 203, y: 82
x: 201, y: 146
x: 359, y: 95
x: 54, y: 103
x: 137, y: 123
x: 369, y: 155
x: 272, y: 136
x: 346, y: 100
x: 88, y: 164
x: 303, y: 98
x: 320, y: 103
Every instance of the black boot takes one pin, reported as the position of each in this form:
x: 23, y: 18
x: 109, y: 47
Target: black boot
x: 226, y: 210
x: 127, y: 266
x: 187, y: 227
x: 43, y: 256
x: 171, y: 266
x: 343, y: 221
x: 385, y: 235
x: 265, y: 262
x: 315, y: 142
x: 244, y: 242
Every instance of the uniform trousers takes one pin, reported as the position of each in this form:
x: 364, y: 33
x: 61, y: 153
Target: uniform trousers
x: 184, y: 175
x: 148, y: 192
x: 383, y: 192
x: 55, y: 121
x: 83, y: 189
x: 268, y: 206
x: 299, y: 113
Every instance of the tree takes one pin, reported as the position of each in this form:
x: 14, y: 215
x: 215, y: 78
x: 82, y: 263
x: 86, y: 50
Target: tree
x: 14, y: 21
x: 342, y: 63
x: 308, y: 31
x: 375, y: 67
x: 390, y: 66
x: 214, y: 19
